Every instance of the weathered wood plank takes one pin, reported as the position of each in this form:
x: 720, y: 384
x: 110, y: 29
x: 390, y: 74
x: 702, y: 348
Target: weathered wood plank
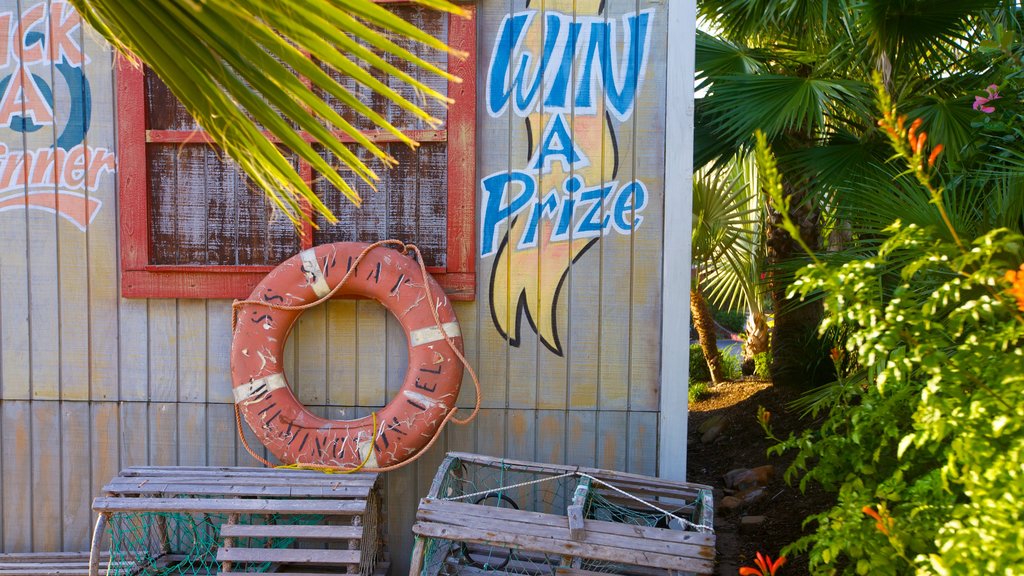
x: 101, y: 239
x: 229, y: 505
x: 401, y: 512
x: 435, y: 510
x: 104, y: 440
x: 643, y: 442
x: 46, y: 476
x: 75, y: 481
x: 191, y: 339
x: 310, y: 341
x: 287, y: 531
x: 163, y: 350
x: 44, y: 272
x: 229, y: 488
x: 581, y: 438
x: 133, y: 320
x: 342, y: 361
x: 674, y: 359
x: 623, y: 479
x: 288, y: 555
x: 371, y: 368
x: 134, y: 433
x: 649, y: 239
x: 502, y: 537
x: 192, y: 443
x: 17, y: 486
x: 163, y: 434
x: 199, y: 472
x: 218, y: 352
x: 221, y: 435
x: 612, y: 441
x: 521, y: 434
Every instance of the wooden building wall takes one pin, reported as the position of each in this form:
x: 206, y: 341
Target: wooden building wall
x: 565, y: 334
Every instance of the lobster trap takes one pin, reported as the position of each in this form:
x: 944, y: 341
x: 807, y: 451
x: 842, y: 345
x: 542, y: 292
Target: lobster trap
x: 489, y: 515
x: 164, y: 521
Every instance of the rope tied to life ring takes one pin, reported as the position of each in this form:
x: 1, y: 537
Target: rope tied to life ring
x: 404, y: 248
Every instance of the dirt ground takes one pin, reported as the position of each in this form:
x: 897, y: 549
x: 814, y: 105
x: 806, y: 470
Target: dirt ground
x: 742, y: 444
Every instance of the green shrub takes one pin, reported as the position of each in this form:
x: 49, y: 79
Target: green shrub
x: 733, y: 320
x: 699, y: 371
x: 923, y: 446
x: 730, y: 366
x: 762, y: 365
x: 699, y: 391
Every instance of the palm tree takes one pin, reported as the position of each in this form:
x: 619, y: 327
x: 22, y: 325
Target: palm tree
x: 242, y: 67
x: 799, y: 71
x: 725, y: 241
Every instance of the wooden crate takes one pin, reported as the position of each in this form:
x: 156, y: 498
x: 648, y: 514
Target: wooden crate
x: 490, y: 515
x: 201, y: 520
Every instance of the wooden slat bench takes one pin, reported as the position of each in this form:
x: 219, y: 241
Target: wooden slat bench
x: 565, y: 520
x: 298, y: 521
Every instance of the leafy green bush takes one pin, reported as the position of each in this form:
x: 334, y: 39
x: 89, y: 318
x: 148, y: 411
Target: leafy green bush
x: 926, y: 452
x: 699, y: 371
x: 731, y: 369
x: 923, y: 439
x: 762, y: 365
x: 699, y: 391
x: 733, y: 320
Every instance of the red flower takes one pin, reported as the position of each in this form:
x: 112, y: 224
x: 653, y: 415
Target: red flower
x: 765, y: 566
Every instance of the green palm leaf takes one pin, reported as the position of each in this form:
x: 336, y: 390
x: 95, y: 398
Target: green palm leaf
x: 241, y: 67
x: 776, y: 104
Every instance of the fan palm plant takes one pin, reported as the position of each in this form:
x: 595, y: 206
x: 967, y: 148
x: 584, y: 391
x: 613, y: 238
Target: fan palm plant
x: 800, y: 72
x: 242, y: 69
x: 726, y: 240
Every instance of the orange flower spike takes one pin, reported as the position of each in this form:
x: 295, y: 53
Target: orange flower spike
x: 881, y: 521
x: 934, y: 155
x: 1016, y: 290
x: 871, y: 512
x: 912, y: 133
x: 765, y: 566
x: 919, y: 147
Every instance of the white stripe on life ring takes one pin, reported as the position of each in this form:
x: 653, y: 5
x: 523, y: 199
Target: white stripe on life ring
x: 260, y: 387
x: 433, y: 334
x: 314, y: 273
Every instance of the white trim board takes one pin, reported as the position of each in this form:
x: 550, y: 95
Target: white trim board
x: 675, y: 319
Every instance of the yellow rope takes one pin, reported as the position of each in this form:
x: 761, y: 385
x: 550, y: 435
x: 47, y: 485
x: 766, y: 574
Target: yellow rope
x: 335, y: 469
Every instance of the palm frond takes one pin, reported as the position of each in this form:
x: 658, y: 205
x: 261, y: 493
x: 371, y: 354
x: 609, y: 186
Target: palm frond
x: 727, y: 247
x: 241, y: 67
x: 777, y: 104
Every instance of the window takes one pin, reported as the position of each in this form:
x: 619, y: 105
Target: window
x: 192, y: 226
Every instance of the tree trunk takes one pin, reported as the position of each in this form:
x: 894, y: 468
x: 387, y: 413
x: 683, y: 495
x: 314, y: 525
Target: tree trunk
x: 796, y: 351
x: 704, y: 322
x: 757, y: 338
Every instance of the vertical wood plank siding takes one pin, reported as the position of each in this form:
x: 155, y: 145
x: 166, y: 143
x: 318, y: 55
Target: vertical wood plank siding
x: 565, y: 335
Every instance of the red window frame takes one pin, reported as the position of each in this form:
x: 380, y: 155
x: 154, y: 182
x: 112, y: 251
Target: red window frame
x: 140, y: 279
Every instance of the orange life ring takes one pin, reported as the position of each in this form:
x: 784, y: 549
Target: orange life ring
x: 432, y: 380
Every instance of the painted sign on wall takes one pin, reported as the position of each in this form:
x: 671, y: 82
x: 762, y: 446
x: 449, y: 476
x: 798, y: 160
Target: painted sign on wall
x: 574, y: 80
x: 45, y: 111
